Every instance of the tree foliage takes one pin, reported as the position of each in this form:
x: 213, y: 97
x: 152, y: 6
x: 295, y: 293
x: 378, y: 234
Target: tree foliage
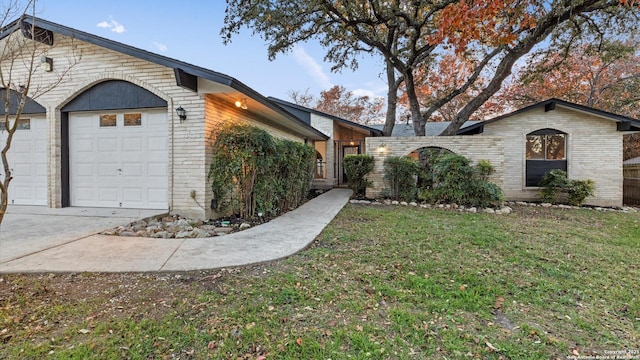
x: 340, y: 102
x: 411, y: 36
x: 251, y: 171
x: 603, y: 75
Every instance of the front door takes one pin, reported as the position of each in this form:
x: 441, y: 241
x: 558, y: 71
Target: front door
x: 348, y: 150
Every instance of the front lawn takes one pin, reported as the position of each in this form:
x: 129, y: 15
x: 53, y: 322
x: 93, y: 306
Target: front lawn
x: 381, y: 282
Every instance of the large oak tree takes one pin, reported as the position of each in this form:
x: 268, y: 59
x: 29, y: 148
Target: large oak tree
x: 604, y: 76
x: 413, y: 35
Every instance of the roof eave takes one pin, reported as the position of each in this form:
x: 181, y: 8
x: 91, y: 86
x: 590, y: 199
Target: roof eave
x: 190, y: 69
x: 374, y: 132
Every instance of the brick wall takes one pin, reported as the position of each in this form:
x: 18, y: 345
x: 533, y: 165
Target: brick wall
x: 594, y: 151
x: 79, y: 65
x: 219, y: 110
x: 325, y: 126
x: 475, y: 148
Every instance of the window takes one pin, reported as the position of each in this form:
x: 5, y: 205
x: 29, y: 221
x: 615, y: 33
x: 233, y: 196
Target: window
x: 546, y: 150
x: 133, y: 119
x: 23, y: 124
x: 107, y: 120
x: 546, y: 147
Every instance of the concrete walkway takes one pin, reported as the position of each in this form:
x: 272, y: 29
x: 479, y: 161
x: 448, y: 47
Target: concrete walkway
x: 281, y: 237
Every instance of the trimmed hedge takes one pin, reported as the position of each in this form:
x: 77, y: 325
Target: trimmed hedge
x: 251, y: 171
x: 356, y: 167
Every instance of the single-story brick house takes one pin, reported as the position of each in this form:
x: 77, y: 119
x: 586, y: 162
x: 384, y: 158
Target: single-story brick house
x: 123, y: 127
x: 527, y: 143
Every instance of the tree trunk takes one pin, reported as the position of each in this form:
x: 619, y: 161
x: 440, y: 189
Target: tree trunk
x: 392, y: 99
x: 414, y: 105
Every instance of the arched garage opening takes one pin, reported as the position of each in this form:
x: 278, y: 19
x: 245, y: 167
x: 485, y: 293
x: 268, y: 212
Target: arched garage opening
x: 27, y: 156
x: 115, y: 148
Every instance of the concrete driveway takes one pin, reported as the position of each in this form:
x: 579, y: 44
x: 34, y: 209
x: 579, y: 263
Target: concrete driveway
x: 64, y: 240
x: 27, y: 230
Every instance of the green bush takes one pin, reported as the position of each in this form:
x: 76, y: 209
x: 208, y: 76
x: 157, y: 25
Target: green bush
x: 555, y: 183
x: 400, y: 175
x: 456, y: 181
x: 580, y: 190
x: 356, y: 167
x: 552, y: 185
x: 485, y: 169
x: 251, y: 171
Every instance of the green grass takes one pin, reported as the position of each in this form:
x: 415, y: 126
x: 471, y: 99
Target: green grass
x: 379, y: 283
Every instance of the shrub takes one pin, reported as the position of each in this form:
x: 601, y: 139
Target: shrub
x: 356, y: 167
x: 400, y: 175
x: 552, y: 185
x: 580, y: 190
x: 456, y: 181
x: 251, y: 171
x: 485, y: 169
x: 555, y: 182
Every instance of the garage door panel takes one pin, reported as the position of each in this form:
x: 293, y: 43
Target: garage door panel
x: 28, y: 160
x: 108, y: 194
x: 157, y: 170
x: 21, y: 192
x: 107, y: 145
x: 107, y: 170
x: 83, y: 145
x: 21, y: 147
x: 132, y: 144
x: 157, y: 196
x: 22, y: 170
x: 157, y: 144
x: 132, y: 170
x: 126, y: 162
x: 41, y: 170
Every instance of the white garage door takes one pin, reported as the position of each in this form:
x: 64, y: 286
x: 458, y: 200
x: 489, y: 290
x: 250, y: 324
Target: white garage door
x: 119, y: 159
x: 28, y: 161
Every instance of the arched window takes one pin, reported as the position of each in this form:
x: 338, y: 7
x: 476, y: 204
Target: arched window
x: 546, y: 151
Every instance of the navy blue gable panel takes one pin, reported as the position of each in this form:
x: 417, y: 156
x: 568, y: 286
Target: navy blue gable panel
x: 30, y: 107
x: 114, y: 95
x: 300, y: 114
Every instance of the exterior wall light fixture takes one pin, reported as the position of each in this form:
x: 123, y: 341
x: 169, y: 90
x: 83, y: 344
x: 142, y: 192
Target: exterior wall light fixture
x: 47, y: 63
x: 182, y: 114
x: 242, y: 104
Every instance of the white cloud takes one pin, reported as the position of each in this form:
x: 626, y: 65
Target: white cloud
x: 159, y: 46
x: 312, y: 67
x: 364, y: 92
x: 112, y: 25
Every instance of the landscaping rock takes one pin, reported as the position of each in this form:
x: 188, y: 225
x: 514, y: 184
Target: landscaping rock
x: 222, y: 230
x: 161, y: 235
x: 353, y: 201
x: 185, y: 234
x: 413, y: 203
x: 199, y: 233
x: 244, y: 226
x: 489, y: 211
x: 127, y: 233
x: 545, y: 205
x: 395, y: 202
x: 472, y: 210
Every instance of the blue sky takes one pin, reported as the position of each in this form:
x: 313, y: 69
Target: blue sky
x: 189, y: 30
